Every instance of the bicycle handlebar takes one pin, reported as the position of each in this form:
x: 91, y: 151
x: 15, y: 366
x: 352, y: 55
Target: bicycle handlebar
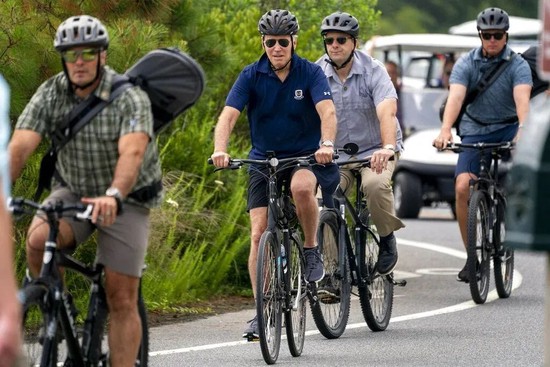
x: 19, y: 205
x: 458, y: 147
x: 305, y: 161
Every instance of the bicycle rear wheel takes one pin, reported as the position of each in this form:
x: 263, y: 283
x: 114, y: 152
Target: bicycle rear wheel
x: 295, y: 315
x: 39, y: 348
x: 479, y: 257
x: 268, y: 297
x: 376, y: 293
x: 331, y: 311
x: 503, y: 257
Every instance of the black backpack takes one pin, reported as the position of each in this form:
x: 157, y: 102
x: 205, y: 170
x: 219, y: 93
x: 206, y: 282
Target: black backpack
x: 173, y: 81
x: 530, y: 55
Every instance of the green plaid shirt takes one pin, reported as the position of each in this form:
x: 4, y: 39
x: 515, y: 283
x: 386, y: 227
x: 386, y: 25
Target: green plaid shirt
x: 87, y: 162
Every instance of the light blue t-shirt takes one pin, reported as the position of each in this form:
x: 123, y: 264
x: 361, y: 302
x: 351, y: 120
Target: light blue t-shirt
x: 4, y: 136
x: 496, y: 104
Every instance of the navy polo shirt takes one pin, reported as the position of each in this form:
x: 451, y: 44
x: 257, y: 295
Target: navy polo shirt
x: 282, y: 115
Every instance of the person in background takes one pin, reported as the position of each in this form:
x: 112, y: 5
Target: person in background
x: 366, y: 104
x: 496, y: 115
x: 395, y: 76
x: 446, y: 72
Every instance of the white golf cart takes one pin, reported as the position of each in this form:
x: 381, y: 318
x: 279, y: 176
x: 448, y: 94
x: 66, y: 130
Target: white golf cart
x: 423, y: 176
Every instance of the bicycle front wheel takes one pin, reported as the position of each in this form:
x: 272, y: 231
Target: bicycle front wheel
x: 39, y: 348
x: 295, y: 315
x: 479, y: 258
x: 268, y: 297
x: 375, y: 290
x: 503, y: 257
x: 331, y: 311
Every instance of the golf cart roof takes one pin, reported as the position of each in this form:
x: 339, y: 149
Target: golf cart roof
x: 423, y: 42
x: 519, y: 27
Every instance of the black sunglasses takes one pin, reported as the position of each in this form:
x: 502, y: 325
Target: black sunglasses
x: 340, y: 40
x: 487, y: 36
x: 283, y: 42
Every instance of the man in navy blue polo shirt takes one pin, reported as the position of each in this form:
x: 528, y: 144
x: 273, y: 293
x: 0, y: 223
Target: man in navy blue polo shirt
x: 290, y: 111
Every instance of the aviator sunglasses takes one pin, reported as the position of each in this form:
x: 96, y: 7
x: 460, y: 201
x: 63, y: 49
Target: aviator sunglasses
x: 283, y: 42
x: 340, y: 40
x: 487, y: 36
x: 88, y: 54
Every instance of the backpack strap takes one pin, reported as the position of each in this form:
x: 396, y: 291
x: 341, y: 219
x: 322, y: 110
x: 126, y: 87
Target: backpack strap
x: 488, y: 78
x: 79, y: 117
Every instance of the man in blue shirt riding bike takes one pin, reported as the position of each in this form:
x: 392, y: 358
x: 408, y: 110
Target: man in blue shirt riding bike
x: 290, y: 110
x: 495, y: 115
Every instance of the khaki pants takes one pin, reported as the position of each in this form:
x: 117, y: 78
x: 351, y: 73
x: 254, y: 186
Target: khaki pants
x: 378, y: 193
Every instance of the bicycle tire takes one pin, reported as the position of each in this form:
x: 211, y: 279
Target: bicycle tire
x: 479, y: 258
x: 37, y: 349
x: 331, y: 310
x: 503, y: 258
x: 295, y: 315
x: 143, y: 352
x: 268, y: 297
x: 376, y: 293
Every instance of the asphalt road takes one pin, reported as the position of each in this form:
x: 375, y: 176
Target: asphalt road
x: 434, y: 320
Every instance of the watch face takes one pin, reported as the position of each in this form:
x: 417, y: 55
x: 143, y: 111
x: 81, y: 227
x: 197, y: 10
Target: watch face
x: 112, y: 191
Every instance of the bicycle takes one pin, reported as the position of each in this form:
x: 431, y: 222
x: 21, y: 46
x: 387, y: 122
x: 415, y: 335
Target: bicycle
x: 350, y: 260
x: 281, y: 287
x: 50, y: 331
x: 486, y: 224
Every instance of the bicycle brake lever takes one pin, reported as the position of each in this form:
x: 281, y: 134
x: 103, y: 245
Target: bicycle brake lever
x: 85, y: 215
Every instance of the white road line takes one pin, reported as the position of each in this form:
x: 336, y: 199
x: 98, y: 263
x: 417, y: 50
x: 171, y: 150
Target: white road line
x: 441, y: 311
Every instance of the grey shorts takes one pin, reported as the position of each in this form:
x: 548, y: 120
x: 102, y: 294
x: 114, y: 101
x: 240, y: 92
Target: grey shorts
x: 120, y: 247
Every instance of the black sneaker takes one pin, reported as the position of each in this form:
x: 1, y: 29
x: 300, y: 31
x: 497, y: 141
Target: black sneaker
x: 387, y: 256
x: 462, y: 275
x: 251, y: 332
x: 315, y: 269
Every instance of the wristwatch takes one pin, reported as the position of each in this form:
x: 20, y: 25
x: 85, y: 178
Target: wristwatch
x: 327, y: 143
x: 389, y: 147
x: 115, y: 193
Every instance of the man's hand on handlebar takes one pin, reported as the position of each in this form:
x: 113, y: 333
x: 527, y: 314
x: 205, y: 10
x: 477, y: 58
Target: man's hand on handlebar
x: 379, y: 160
x: 105, y: 209
x: 220, y: 159
x: 324, y: 154
x: 444, y: 138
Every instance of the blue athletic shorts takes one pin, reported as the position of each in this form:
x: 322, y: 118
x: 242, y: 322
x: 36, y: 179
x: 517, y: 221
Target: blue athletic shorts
x: 468, y: 160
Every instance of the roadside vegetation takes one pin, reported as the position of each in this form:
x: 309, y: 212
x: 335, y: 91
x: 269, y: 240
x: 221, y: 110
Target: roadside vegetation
x: 199, y: 239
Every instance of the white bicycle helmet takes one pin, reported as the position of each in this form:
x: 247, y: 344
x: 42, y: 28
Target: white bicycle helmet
x: 81, y: 30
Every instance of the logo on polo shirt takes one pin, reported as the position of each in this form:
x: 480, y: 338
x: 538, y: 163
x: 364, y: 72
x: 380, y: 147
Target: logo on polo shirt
x: 298, y: 94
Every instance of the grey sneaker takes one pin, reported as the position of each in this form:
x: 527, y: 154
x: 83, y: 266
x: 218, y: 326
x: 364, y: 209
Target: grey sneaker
x: 251, y: 332
x: 315, y: 270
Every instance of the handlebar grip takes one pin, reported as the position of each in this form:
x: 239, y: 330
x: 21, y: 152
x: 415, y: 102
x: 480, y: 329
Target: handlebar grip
x: 210, y: 161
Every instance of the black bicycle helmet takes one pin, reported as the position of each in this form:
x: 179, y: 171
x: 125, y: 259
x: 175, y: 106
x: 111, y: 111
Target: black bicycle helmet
x: 278, y: 23
x: 340, y: 22
x: 81, y: 30
x: 493, y: 18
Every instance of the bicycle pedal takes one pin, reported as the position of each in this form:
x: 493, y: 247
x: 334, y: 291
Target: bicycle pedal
x: 400, y: 283
x: 252, y: 339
